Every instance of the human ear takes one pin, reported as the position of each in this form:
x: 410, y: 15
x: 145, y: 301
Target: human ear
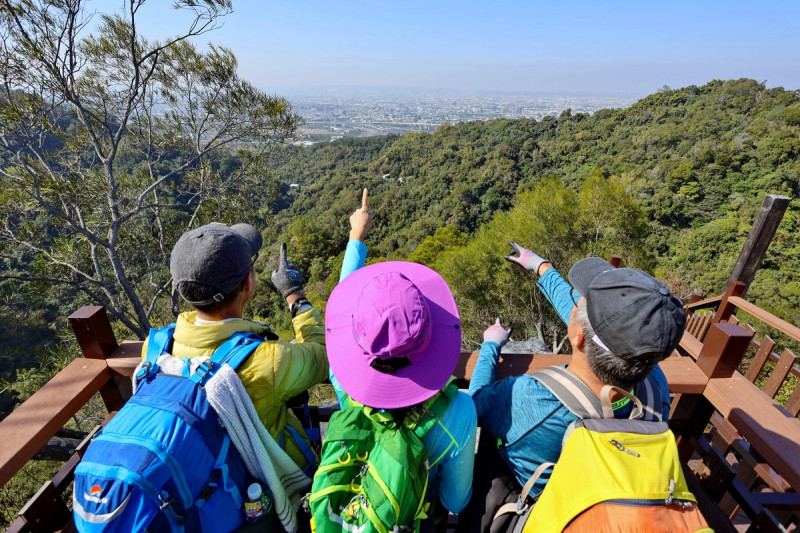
x: 577, y: 338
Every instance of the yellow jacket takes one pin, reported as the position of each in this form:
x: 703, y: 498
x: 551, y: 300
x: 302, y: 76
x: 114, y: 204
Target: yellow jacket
x: 275, y: 371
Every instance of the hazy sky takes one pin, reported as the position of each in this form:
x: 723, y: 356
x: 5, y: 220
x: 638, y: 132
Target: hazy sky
x: 587, y: 47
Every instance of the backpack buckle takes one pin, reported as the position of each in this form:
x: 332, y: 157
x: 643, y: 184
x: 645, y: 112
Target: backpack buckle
x: 522, y: 505
x: 166, y: 508
x: 144, y: 370
x: 209, y: 489
x: 203, y: 369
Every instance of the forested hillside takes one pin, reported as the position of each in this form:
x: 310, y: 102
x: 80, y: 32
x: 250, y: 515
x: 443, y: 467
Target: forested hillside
x: 671, y: 183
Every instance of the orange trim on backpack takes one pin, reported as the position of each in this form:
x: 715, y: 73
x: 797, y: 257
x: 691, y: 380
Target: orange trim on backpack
x: 620, y: 518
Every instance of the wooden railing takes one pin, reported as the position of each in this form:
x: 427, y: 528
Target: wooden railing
x: 741, y: 450
x: 724, y: 309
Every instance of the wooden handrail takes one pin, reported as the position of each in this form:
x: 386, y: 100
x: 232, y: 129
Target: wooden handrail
x: 34, y: 422
x: 683, y: 374
x: 708, y: 302
x: 691, y: 345
x: 766, y: 317
x: 772, y: 431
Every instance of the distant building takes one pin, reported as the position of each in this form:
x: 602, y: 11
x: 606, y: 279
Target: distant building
x: 294, y: 185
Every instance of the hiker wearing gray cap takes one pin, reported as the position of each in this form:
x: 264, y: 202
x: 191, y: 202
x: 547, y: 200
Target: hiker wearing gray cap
x: 213, y: 270
x: 620, y: 323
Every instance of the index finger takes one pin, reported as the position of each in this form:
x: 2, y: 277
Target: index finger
x: 282, y: 256
x: 364, y: 197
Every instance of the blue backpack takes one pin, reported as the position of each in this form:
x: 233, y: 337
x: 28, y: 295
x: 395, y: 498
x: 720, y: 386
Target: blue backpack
x: 165, y: 462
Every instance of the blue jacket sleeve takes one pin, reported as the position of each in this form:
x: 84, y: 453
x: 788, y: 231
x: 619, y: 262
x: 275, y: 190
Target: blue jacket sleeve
x: 559, y: 292
x: 486, y: 368
x: 451, y: 443
x: 355, y: 256
x: 493, y: 399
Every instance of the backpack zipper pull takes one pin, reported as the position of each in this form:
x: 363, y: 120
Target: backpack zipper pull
x: 622, y: 448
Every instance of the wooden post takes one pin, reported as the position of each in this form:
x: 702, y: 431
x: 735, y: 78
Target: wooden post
x: 723, y: 350
x: 693, y: 299
x: 767, y: 220
x: 725, y: 310
x: 97, y: 341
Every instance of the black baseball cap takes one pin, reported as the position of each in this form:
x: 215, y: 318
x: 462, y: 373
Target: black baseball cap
x: 215, y: 255
x: 631, y: 312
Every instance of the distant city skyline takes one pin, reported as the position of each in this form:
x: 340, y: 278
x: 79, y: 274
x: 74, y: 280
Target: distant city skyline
x: 580, y: 47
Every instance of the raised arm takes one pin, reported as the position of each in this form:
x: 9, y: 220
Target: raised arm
x: 356, y: 253
x: 555, y: 288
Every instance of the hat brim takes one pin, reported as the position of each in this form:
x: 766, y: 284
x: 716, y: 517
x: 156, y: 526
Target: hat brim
x: 414, y: 383
x: 251, y: 235
x: 584, y: 271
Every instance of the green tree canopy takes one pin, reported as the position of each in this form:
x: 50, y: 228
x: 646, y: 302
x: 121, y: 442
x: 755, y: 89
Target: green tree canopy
x: 112, y: 145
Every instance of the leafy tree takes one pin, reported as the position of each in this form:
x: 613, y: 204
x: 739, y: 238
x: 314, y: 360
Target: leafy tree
x: 444, y: 239
x: 112, y: 145
x: 556, y: 223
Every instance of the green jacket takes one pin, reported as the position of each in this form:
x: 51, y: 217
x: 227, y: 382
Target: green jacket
x: 275, y: 372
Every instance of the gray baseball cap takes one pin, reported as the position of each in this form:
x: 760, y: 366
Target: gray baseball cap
x: 631, y: 312
x: 215, y: 255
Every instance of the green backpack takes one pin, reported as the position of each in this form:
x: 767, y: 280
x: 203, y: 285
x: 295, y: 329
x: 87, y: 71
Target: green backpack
x: 373, y: 469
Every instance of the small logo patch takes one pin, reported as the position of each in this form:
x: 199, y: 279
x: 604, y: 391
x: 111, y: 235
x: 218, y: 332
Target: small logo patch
x: 94, y: 495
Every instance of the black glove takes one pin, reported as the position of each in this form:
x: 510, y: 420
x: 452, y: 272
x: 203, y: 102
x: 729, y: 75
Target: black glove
x: 287, y: 278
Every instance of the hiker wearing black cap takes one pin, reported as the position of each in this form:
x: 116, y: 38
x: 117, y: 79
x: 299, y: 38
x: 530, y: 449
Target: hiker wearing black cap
x: 620, y: 323
x: 212, y: 269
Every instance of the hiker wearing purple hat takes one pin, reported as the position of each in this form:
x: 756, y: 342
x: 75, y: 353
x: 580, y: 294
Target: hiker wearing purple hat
x: 394, y: 337
x: 212, y: 269
x: 620, y: 323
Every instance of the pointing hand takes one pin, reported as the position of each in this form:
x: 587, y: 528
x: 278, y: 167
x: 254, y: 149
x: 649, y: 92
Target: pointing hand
x: 526, y: 258
x: 496, y: 333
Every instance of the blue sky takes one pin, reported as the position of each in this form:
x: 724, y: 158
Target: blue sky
x: 576, y: 47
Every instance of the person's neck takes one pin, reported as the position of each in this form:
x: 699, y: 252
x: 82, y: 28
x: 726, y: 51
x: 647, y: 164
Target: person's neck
x: 579, y: 366
x: 216, y: 317
x: 233, y: 310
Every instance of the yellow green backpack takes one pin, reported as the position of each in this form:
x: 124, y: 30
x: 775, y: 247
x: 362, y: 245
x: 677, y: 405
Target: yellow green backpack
x: 613, y: 475
x: 373, y: 471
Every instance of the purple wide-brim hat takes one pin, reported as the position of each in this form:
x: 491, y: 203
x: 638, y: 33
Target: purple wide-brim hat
x: 388, y: 313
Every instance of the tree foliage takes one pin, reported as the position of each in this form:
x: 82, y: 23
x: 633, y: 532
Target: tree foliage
x: 672, y: 184
x: 112, y: 145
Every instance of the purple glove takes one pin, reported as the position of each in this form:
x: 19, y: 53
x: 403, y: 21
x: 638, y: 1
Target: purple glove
x: 526, y: 258
x: 496, y: 333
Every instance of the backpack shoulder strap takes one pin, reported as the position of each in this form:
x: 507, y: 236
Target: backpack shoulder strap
x: 570, y: 391
x: 158, y: 341
x: 422, y: 418
x: 233, y: 351
x: 649, y: 392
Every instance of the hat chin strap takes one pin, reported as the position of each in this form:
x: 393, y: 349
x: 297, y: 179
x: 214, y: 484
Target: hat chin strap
x: 391, y: 365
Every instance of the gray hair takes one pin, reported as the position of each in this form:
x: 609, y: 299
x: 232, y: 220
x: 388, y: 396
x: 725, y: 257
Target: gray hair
x: 620, y: 370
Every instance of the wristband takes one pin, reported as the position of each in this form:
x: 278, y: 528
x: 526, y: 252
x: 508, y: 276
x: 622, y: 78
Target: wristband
x: 297, y: 305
